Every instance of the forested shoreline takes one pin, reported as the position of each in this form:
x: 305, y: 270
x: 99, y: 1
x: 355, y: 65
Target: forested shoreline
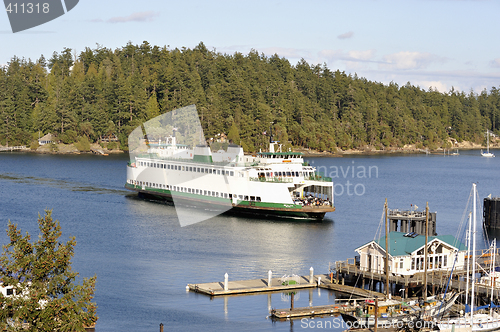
x: 102, y: 92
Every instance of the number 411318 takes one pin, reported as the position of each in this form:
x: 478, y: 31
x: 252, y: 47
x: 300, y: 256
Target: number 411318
x: 27, y: 8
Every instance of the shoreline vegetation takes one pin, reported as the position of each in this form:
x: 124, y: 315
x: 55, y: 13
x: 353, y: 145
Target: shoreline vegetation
x: 101, y: 95
x: 99, y: 149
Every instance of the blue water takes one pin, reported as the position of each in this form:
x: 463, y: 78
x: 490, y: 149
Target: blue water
x: 143, y: 259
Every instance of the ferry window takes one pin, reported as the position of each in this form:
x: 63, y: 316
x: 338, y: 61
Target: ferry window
x: 287, y: 173
x: 297, y: 174
x: 240, y: 197
x: 231, y: 173
x: 183, y: 168
x: 191, y: 169
x: 267, y: 174
x: 258, y: 199
x: 218, y: 173
x: 225, y: 195
x: 204, y: 192
x: 230, y: 196
x: 246, y: 198
x: 175, y: 167
x: 210, y: 171
x: 213, y: 193
x: 223, y: 172
x: 252, y: 198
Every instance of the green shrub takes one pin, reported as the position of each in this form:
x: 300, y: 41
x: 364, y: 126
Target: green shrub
x: 68, y: 137
x: 83, y: 144
x: 34, y: 145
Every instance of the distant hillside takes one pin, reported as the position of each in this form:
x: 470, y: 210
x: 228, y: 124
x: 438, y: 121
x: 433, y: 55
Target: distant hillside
x: 108, y: 92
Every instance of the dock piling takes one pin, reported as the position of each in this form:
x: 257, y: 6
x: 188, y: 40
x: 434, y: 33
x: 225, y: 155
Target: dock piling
x: 269, y: 278
x: 226, y: 282
x: 311, y: 275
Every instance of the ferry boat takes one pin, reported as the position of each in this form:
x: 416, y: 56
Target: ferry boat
x: 272, y: 183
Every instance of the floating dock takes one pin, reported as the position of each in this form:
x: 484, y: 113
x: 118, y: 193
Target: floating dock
x: 254, y: 286
x: 241, y: 287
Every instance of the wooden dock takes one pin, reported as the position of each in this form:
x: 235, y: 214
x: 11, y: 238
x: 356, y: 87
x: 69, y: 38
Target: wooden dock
x: 355, y: 291
x: 242, y: 287
x: 254, y: 286
x: 331, y: 309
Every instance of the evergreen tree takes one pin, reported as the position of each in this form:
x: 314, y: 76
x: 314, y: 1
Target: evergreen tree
x: 46, y: 296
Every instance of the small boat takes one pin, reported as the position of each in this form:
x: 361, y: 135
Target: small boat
x: 392, y: 312
x: 455, y: 153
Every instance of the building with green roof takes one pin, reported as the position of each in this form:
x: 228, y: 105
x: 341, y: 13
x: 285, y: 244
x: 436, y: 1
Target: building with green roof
x: 406, y: 253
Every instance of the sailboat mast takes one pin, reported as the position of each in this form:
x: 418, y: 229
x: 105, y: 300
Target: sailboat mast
x: 487, y: 141
x: 492, y: 279
x: 425, y: 248
x: 386, y: 254
x: 468, y: 260
x: 473, y: 279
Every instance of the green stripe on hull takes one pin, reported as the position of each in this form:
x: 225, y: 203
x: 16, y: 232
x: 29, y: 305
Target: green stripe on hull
x: 243, y: 207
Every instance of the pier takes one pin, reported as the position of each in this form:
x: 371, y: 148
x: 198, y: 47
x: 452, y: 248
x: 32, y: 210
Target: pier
x: 348, y: 272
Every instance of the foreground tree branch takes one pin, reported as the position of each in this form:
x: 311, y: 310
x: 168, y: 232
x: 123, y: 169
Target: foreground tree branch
x: 45, y: 294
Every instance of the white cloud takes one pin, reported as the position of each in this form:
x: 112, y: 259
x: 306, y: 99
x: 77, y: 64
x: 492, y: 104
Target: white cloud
x: 410, y: 60
x: 440, y: 86
x: 288, y: 53
x: 335, y: 55
x: 346, y: 35
x: 495, y: 63
x: 147, y: 16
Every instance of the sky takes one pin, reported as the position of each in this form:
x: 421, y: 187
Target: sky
x: 442, y: 44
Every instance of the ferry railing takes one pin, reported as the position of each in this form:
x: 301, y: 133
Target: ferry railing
x: 317, y: 177
x: 271, y: 179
